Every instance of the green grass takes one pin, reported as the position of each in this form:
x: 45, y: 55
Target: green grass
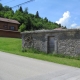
x: 14, y: 46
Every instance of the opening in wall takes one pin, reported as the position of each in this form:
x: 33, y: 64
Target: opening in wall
x: 12, y: 28
x: 5, y: 27
x: 51, y: 44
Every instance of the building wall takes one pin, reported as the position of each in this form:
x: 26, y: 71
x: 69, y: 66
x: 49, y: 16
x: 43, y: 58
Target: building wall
x: 69, y: 43
x: 36, y: 41
x: 65, y: 41
x: 7, y: 26
x: 11, y: 34
x: 69, y: 47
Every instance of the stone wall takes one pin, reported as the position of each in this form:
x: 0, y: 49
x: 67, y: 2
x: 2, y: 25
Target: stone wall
x: 35, y: 40
x: 65, y: 41
x: 69, y: 47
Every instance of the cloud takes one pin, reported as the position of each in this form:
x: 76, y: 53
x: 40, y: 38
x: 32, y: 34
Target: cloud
x: 78, y: 27
x: 74, y: 26
x: 64, y: 20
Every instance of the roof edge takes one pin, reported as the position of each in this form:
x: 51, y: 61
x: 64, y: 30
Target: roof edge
x: 50, y: 31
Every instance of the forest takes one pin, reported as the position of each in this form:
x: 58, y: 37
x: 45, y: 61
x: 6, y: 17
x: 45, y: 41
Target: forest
x: 27, y: 20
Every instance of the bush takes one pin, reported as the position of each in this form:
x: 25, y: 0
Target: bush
x: 22, y: 28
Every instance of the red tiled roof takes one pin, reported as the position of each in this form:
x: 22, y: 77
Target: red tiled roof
x: 9, y: 20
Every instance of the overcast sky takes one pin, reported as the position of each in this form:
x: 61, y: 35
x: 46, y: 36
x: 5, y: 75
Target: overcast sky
x: 65, y: 12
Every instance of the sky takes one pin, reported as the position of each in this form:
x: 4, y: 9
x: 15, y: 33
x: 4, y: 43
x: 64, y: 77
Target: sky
x: 64, y: 12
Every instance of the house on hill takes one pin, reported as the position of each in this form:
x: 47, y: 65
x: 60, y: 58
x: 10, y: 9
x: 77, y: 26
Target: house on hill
x: 9, y: 28
x: 9, y: 24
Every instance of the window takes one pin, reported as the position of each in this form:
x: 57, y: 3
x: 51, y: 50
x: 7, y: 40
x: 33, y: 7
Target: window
x: 11, y: 27
x: 5, y: 27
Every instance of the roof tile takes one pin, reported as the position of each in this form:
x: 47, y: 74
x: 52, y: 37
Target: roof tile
x: 9, y: 20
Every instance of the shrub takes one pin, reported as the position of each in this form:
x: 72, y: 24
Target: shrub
x: 22, y: 28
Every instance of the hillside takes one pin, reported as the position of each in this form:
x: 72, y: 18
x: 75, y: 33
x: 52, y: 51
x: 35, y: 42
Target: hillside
x: 28, y: 21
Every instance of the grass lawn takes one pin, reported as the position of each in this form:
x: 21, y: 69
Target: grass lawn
x: 14, y: 46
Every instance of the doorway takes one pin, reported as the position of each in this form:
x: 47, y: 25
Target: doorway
x: 51, y: 44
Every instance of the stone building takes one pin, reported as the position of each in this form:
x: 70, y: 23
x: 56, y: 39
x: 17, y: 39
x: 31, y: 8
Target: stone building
x: 64, y: 41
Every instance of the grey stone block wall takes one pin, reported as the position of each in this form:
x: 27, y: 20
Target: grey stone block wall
x: 39, y: 42
x: 65, y: 41
x: 69, y: 47
x: 36, y: 40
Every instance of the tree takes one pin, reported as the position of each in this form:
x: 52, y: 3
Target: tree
x: 1, y: 7
x: 18, y: 15
x: 2, y: 14
x: 9, y: 14
x: 20, y: 9
x: 39, y: 25
x: 22, y: 28
x: 7, y: 8
x: 27, y: 20
x: 46, y: 19
x: 37, y: 14
x: 64, y: 27
x: 29, y: 24
x: 59, y: 25
x: 26, y: 11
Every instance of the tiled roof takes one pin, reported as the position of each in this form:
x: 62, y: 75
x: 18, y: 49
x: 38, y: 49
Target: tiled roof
x: 9, y: 20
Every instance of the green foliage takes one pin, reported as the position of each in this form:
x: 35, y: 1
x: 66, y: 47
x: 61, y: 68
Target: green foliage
x: 31, y: 21
x: 20, y: 9
x: 59, y: 25
x: 19, y: 16
x: 7, y: 8
x: 46, y: 20
x: 26, y: 11
x: 2, y: 13
x: 9, y: 14
x: 1, y: 7
x: 22, y: 27
x: 37, y: 14
x: 29, y: 24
